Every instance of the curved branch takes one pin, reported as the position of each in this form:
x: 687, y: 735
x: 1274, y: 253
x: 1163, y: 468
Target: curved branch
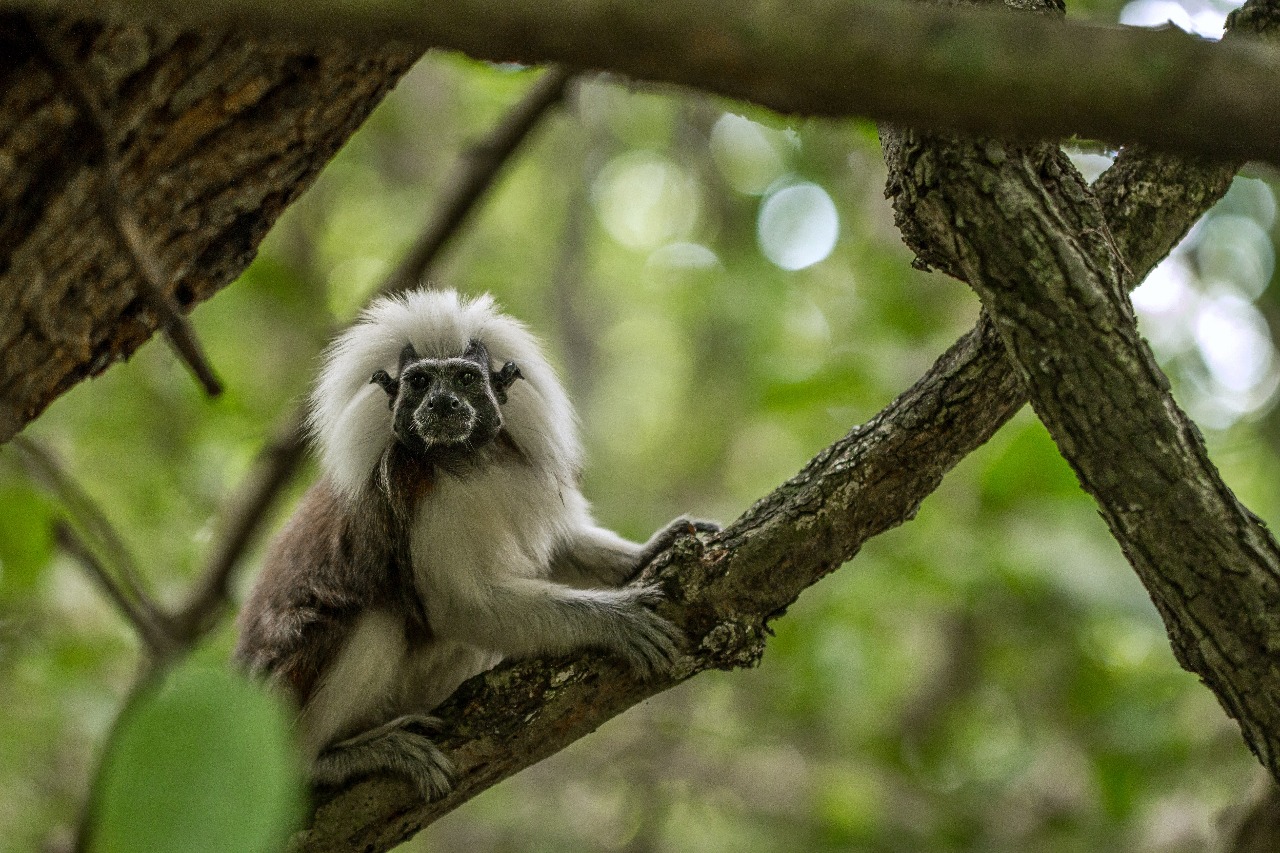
x: 967, y: 69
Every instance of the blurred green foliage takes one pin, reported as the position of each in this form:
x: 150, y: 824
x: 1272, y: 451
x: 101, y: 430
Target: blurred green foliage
x: 201, y: 762
x: 990, y: 676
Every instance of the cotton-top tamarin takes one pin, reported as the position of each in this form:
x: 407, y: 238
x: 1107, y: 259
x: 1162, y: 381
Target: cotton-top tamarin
x: 447, y: 531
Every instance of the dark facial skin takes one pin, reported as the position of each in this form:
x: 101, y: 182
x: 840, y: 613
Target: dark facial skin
x: 446, y: 408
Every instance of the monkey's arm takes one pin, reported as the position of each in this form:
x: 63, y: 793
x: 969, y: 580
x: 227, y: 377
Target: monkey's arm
x: 596, y: 556
x: 520, y: 616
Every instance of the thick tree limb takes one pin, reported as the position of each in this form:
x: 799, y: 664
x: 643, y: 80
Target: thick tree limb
x: 1019, y: 225
x: 215, y: 135
x: 176, y: 327
x: 974, y: 70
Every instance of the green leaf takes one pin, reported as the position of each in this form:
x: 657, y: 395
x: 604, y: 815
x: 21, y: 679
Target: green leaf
x: 204, y: 763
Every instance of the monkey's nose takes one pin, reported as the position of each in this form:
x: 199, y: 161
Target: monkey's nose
x: 443, y: 404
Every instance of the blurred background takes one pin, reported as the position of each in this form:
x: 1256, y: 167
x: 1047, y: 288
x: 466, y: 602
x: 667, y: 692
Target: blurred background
x: 725, y: 294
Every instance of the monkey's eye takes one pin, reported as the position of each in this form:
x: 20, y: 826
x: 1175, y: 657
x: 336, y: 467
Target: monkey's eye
x: 417, y: 381
x: 468, y: 377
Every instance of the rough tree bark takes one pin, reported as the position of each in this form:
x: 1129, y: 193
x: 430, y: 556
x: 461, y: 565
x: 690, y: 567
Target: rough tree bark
x: 1022, y: 228
x: 216, y: 134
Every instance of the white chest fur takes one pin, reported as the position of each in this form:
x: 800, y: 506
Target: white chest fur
x: 476, y: 534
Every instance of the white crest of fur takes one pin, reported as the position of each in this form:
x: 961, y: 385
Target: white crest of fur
x: 350, y: 421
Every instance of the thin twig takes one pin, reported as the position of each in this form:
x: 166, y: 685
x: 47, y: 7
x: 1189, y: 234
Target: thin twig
x: 474, y: 173
x: 177, y: 328
x: 152, y: 633
x: 43, y: 467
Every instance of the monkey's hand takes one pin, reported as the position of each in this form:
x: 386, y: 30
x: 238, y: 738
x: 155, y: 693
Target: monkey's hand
x: 649, y: 642
x: 667, y: 536
x: 401, y: 746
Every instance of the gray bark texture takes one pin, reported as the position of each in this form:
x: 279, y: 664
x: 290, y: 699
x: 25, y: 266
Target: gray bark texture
x: 214, y: 135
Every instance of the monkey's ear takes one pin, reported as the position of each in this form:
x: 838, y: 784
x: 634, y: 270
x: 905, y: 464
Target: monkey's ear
x: 476, y: 351
x: 391, y: 386
x: 504, y: 379
x: 408, y: 355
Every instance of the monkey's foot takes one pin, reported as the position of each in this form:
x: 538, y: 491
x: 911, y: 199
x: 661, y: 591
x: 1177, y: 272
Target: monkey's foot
x: 400, y: 746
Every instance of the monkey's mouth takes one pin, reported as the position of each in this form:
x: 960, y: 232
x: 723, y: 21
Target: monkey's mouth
x: 454, y: 428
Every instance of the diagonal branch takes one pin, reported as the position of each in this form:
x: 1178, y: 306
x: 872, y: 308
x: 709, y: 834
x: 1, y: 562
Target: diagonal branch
x: 44, y: 468
x: 244, y: 518
x: 143, y: 619
x: 120, y: 583
x: 475, y: 173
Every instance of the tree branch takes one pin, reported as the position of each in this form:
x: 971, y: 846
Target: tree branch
x: 967, y: 69
x: 244, y: 518
x: 473, y: 175
x: 1021, y: 228
x: 44, y: 468
x: 150, y: 630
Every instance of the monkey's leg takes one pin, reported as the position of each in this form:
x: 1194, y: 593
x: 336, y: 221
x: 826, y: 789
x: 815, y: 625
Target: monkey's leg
x: 400, y: 746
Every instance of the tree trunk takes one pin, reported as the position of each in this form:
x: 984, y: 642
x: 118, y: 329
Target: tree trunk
x: 214, y: 135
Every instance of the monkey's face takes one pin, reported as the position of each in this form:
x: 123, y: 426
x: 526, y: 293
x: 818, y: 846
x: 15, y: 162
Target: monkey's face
x: 447, y: 404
